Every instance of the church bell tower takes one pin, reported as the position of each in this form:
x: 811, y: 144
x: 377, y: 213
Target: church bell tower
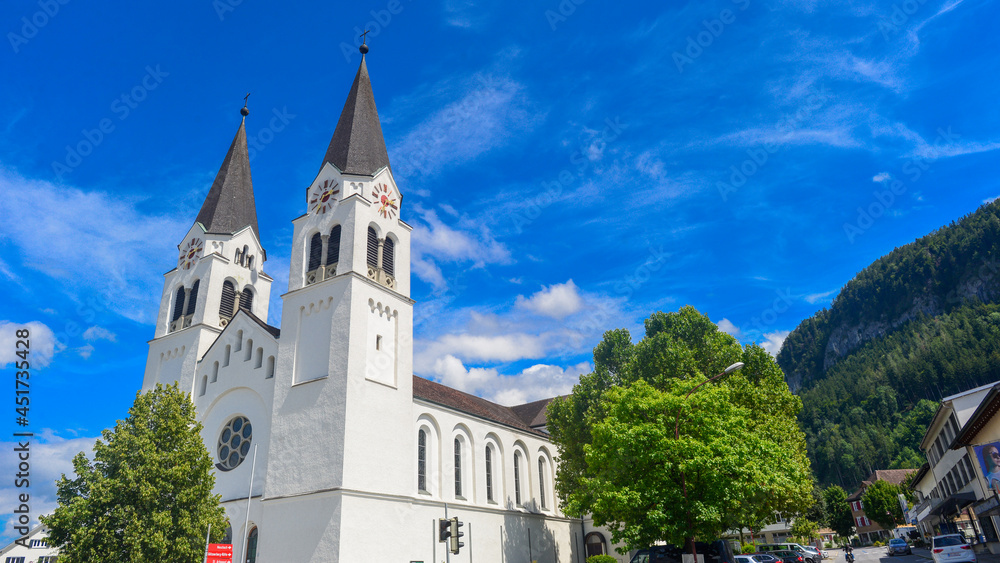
x: 219, y: 271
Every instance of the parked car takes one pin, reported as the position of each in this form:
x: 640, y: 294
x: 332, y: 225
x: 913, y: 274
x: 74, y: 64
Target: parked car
x: 766, y: 558
x: 899, y: 546
x: 718, y: 551
x: 756, y: 558
x: 815, y: 554
x: 951, y: 548
x: 789, y: 556
x: 808, y: 557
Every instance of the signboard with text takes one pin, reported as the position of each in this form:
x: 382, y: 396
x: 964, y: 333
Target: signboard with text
x: 219, y: 553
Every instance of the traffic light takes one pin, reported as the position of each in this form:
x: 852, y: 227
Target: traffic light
x: 456, y: 533
x: 444, y: 529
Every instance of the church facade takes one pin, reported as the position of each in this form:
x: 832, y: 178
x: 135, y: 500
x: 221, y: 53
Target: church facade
x: 327, y: 447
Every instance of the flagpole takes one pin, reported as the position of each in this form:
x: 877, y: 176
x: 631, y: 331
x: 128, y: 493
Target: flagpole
x: 246, y: 523
x: 209, y: 533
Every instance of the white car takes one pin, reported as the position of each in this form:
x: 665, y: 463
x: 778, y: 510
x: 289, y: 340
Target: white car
x: 816, y: 553
x: 951, y: 548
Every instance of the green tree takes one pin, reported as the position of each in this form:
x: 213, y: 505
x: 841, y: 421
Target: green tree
x: 881, y: 502
x: 805, y: 529
x: 841, y: 520
x: 147, y: 495
x: 653, y: 463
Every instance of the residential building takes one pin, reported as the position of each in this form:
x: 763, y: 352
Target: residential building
x: 868, y: 530
x: 33, y: 548
x: 979, y: 439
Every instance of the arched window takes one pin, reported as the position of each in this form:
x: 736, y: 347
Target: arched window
x: 215, y: 372
x: 387, y: 256
x: 225, y: 358
x: 517, y: 478
x: 178, y: 305
x: 243, y: 256
x: 458, y: 467
x: 247, y: 356
x: 333, y: 246
x: 204, y: 385
x: 252, y: 546
x: 372, y: 248
x: 270, y: 367
x: 489, y: 473
x: 239, y: 256
x: 541, y: 482
x: 192, y: 298
x: 250, y: 262
x: 228, y: 303
x: 239, y: 341
x: 315, y: 252
x: 596, y: 544
x: 259, y: 360
x: 228, y: 538
x: 246, y: 300
x: 422, y: 460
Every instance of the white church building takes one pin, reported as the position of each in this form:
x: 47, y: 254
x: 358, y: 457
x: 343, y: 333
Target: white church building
x: 356, y: 457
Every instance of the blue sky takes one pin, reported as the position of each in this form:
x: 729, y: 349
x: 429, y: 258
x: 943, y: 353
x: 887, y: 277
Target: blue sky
x: 568, y: 166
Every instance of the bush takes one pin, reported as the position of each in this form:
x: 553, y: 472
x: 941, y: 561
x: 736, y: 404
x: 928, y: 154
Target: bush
x: 877, y: 543
x: 601, y: 559
x: 749, y: 548
x: 827, y: 545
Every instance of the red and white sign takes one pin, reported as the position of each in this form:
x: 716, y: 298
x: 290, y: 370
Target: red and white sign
x: 219, y: 553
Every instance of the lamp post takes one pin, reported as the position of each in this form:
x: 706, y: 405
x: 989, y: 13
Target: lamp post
x: 677, y: 436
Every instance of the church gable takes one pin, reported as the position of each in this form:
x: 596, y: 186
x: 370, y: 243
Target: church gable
x: 244, y: 354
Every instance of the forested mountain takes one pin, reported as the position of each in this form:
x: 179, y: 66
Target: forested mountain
x: 915, y: 326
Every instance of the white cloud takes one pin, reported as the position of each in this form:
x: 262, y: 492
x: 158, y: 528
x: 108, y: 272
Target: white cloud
x: 501, y: 348
x: 882, y: 177
x: 991, y: 199
x: 727, y: 326
x: 42, y: 343
x: 99, y: 333
x: 556, y: 301
x: 539, y: 381
x: 815, y: 297
x: 435, y: 242
x: 492, y: 111
x: 123, y: 252
x: 51, y: 456
x: 774, y: 340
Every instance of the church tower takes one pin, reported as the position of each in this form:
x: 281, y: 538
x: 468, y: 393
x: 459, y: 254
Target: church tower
x: 343, y: 392
x: 219, y: 271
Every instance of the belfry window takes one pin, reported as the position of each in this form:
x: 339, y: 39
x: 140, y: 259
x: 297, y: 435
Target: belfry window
x: 192, y: 298
x: 228, y: 302
x: 315, y: 252
x: 372, y: 248
x: 246, y: 300
x: 178, y: 305
x: 387, y: 256
x: 333, y: 246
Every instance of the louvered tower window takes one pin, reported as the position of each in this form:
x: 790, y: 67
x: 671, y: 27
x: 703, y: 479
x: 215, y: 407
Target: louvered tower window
x: 315, y: 252
x: 372, y: 248
x: 333, y: 247
x: 192, y: 298
x: 246, y: 300
x: 388, y: 257
x: 178, y: 305
x: 228, y: 300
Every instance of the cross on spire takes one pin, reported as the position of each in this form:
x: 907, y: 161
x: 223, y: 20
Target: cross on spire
x: 364, y: 40
x: 244, y: 112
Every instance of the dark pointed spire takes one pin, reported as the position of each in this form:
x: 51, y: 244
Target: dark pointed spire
x: 357, y: 146
x: 229, y: 205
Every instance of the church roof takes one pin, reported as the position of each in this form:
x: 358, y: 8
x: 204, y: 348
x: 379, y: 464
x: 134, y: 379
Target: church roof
x: 229, y: 205
x: 357, y: 146
x: 470, y: 404
x: 533, y: 413
x: 273, y: 330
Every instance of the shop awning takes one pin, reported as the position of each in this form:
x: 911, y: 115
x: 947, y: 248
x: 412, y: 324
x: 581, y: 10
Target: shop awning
x: 954, y: 503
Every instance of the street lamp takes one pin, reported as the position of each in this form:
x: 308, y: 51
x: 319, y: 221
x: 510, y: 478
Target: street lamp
x: 677, y: 436
x: 677, y: 422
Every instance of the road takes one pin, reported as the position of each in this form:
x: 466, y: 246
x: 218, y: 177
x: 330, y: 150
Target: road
x: 875, y: 555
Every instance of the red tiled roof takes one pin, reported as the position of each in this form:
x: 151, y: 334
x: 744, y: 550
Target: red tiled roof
x: 446, y: 396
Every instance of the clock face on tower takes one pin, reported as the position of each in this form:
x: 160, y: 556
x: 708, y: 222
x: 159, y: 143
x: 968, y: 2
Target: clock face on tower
x: 190, y: 253
x: 386, y: 198
x: 323, y: 196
